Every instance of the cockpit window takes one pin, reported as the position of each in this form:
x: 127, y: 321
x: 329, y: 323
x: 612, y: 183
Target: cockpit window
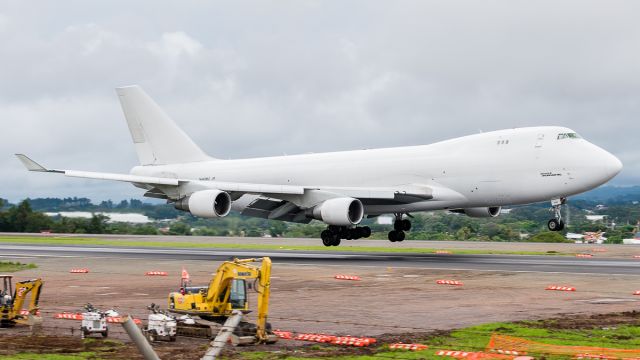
x: 568, y: 136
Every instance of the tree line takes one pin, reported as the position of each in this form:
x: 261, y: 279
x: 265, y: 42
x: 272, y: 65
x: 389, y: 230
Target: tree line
x: 522, y: 223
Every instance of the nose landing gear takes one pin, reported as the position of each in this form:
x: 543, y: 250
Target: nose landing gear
x: 399, y: 227
x: 557, y: 224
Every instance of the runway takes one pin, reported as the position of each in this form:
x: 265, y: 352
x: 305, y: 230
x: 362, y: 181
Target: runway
x: 507, y: 263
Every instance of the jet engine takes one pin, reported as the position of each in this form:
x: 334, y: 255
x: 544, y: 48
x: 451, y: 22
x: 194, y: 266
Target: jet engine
x: 206, y: 203
x: 480, y: 212
x: 340, y: 211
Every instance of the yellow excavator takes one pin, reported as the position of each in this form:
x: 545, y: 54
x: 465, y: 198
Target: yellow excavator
x: 227, y: 292
x: 11, y: 301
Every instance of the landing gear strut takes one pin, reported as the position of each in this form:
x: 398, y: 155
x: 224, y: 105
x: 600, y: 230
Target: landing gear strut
x: 399, y: 227
x: 557, y: 224
x: 334, y: 234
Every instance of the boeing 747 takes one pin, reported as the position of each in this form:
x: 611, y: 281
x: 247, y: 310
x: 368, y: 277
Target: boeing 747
x: 475, y: 175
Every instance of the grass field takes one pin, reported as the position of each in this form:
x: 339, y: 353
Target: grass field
x: 476, y: 338
x: 8, y: 266
x: 194, y: 245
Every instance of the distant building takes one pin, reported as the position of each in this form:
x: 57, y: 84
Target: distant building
x: 384, y: 220
x: 132, y: 218
x: 595, y: 218
x: 587, y: 238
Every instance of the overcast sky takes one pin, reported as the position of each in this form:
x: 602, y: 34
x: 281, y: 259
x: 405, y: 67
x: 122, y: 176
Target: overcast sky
x: 257, y: 78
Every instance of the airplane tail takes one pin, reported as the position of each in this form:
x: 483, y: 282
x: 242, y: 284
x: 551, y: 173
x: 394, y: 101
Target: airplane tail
x: 158, y: 140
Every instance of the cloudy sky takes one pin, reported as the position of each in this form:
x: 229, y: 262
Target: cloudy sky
x: 256, y: 78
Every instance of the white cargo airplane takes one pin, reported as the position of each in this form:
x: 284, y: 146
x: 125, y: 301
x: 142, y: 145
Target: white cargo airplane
x: 474, y: 175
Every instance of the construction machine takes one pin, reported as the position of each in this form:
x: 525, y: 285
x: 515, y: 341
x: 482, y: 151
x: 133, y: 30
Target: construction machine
x: 227, y: 291
x: 11, y: 301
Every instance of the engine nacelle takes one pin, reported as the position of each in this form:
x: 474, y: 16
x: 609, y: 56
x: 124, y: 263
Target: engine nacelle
x: 206, y: 203
x: 340, y: 211
x: 482, y: 212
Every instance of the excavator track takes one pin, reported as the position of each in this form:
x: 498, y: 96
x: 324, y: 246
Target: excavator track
x: 195, y: 331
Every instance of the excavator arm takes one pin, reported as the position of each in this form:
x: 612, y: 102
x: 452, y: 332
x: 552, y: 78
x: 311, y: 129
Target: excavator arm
x: 23, y: 288
x: 264, y: 291
x: 219, y: 289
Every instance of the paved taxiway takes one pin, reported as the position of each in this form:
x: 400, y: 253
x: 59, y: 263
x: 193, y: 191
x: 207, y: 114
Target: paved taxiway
x: 508, y: 263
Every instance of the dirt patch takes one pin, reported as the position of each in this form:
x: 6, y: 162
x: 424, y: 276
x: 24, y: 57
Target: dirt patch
x: 595, y: 321
x: 103, y: 349
x: 188, y: 349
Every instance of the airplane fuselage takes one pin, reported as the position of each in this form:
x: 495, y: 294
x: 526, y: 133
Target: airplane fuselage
x: 498, y: 168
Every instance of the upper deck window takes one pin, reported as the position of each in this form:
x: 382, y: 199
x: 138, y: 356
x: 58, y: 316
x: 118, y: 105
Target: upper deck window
x: 568, y: 136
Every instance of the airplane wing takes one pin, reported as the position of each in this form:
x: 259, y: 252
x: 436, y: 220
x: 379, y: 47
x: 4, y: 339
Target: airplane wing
x: 150, y: 180
x: 34, y: 166
x: 259, y: 200
x: 250, y: 188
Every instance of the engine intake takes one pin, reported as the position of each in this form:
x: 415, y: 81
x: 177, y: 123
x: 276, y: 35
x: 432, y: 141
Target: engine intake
x: 339, y: 211
x: 480, y: 212
x: 206, y: 203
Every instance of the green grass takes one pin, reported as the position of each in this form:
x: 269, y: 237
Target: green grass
x: 193, y: 245
x: 8, y: 266
x: 37, y: 356
x: 476, y: 338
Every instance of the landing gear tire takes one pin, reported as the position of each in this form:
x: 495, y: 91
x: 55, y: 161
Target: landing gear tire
x: 406, y: 224
x: 333, y: 235
x: 395, y: 235
x: 366, y: 231
x: 555, y: 225
x: 327, y: 238
x: 401, y: 224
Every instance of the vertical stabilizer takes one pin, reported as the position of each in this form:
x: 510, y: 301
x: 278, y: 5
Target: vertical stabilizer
x: 158, y: 140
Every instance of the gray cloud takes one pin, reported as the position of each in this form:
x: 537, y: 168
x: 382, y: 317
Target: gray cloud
x: 253, y: 78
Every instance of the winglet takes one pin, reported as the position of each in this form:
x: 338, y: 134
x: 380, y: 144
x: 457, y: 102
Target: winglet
x: 30, y: 164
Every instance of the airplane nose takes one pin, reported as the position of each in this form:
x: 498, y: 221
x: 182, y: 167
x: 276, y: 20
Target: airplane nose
x: 616, y: 165
x: 610, y: 164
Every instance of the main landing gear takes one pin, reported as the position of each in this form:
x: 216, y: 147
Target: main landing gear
x: 333, y: 234
x: 399, y: 227
x: 557, y: 224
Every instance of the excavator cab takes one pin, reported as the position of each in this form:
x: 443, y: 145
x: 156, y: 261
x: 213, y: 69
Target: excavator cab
x: 6, y: 294
x: 11, y: 301
x: 238, y: 295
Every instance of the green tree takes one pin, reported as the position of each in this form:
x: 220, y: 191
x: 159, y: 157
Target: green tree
x: 179, y: 228
x: 20, y: 216
x: 97, y: 224
x: 548, y: 237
